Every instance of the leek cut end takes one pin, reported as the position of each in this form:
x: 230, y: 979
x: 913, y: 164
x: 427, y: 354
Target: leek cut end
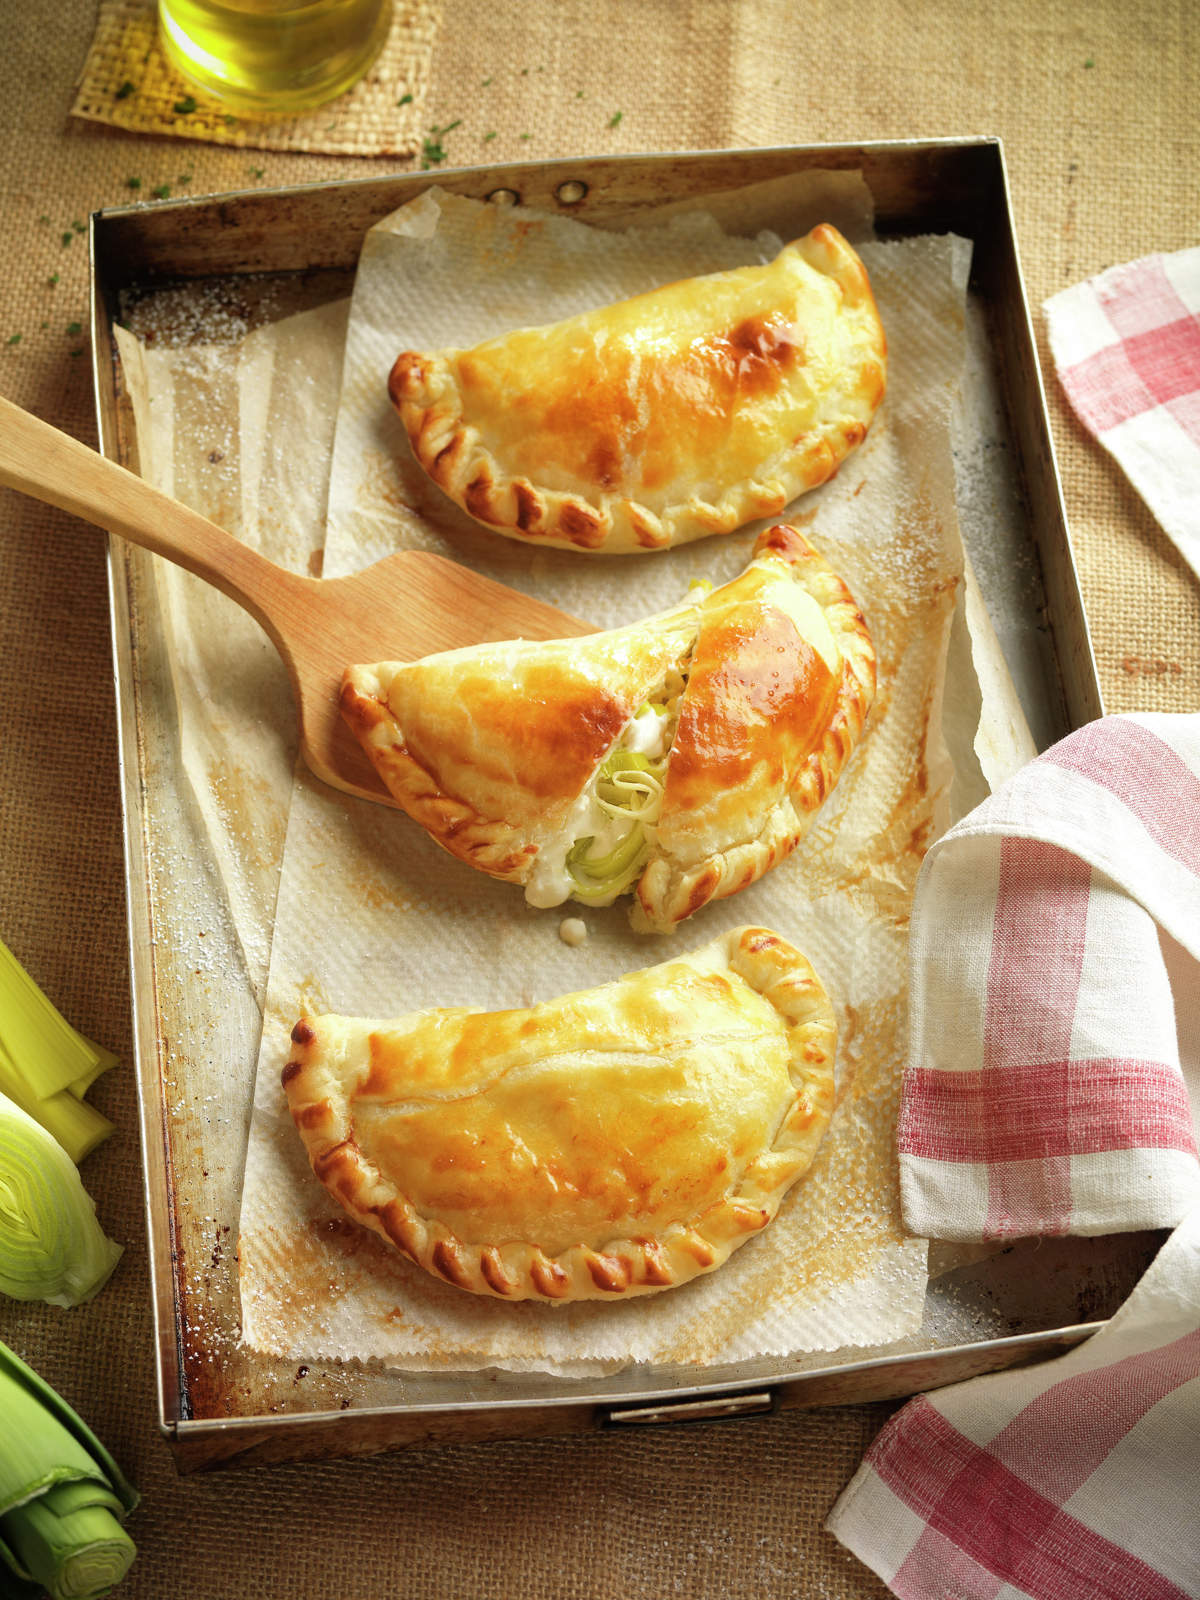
x: 51, y: 1245
x: 70, y: 1542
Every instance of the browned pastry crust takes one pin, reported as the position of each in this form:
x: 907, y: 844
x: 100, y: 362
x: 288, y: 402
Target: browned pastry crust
x: 606, y: 1144
x: 491, y: 748
x: 682, y: 412
x: 764, y: 733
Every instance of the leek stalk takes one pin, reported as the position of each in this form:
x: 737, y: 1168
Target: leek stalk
x: 62, y: 1497
x: 46, y: 1065
x: 77, y: 1126
x: 51, y: 1245
x: 39, y: 1037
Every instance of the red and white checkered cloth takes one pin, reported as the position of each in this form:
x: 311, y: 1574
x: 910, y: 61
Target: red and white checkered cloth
x: 1045, y: 1092
x: 1076, y: 1479
x: 1055, y: 1000
x: 1127, y: 348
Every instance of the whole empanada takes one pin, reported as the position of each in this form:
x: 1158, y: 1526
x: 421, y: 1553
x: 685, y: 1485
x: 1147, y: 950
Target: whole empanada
x: 677, y: 758
x: 682, y: 412
x: 613, y: 1142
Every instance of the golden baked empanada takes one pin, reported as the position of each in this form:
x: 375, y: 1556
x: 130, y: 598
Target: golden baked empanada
x: 678, y: 758
x: 612, y: 1142
x: 682, y: 412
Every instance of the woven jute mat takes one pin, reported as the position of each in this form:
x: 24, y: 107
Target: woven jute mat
x: 128, y: 83
x: 1095, y: 108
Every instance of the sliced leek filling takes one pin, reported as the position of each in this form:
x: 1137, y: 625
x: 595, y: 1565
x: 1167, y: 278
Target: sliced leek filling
x: 607, y: 840
x: 626, y: 800
x: 629, y: 792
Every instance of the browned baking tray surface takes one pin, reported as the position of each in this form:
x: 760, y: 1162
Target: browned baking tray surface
x: 263, y: 255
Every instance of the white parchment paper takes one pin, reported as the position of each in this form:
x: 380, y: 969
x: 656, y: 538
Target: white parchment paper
x: 372, y: 919
x: 241, y: 430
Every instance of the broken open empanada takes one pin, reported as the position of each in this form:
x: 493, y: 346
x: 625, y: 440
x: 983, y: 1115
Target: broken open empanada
x: 682, y: 412
x: 609, y: 1143
x: 678, y: 758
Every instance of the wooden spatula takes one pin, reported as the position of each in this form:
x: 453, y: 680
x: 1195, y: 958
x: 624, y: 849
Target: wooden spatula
x: 407, y: 605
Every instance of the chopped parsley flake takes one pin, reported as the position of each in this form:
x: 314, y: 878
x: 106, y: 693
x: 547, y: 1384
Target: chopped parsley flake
x: 66, y: 239
x: 184, y: 177
x: 1090, y: 62
x: 79, y: 227
x: 432, y: 149
x: 257, y: 172
x: 485, y: 83
x: 186, y: 106
x: 489, y: 136
x: 77, y: 352
x: 124, y: 91
x: 74, y: 327
x: 52, y: 280
x: 615, y: 119
x: 228, y: 120
x: 405, y: 100
x: 162, y: 191
x: 133, y: 183
x: 44, y: 220
x: 14, y: 338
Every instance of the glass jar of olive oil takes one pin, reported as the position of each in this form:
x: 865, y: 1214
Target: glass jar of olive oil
x: 272, y: 58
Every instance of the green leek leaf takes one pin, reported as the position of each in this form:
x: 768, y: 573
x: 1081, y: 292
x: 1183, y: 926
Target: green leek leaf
x: 51, y: 1245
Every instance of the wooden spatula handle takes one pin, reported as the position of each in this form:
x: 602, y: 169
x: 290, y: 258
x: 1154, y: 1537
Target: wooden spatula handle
x: 51, y: 466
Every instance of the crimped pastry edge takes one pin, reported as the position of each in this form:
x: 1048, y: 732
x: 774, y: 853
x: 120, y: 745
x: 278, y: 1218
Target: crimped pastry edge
x: 624, y: 1267
x: 489, y: 844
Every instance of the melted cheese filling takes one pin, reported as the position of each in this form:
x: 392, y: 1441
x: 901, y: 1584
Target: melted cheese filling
x: 551, y: 881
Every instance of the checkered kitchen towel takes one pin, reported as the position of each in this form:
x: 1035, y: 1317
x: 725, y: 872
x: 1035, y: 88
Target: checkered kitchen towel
x: 1055, y: 998
x: 1127, y: 348
x: 1045, y: 1092
x: 1077, y: 1479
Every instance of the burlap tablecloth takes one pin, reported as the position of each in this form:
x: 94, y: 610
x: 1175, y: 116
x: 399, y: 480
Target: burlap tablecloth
x: 1096, y: 108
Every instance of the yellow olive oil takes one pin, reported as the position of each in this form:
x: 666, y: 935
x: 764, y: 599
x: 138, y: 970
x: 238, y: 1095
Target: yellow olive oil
x: 272, y: 58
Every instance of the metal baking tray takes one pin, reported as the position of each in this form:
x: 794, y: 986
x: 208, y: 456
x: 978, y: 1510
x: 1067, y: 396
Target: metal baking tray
x: 269, y: 253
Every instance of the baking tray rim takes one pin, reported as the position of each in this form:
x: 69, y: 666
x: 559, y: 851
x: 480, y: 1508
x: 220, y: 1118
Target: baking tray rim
x: 615, y: 1399
x: 174, y: 1420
